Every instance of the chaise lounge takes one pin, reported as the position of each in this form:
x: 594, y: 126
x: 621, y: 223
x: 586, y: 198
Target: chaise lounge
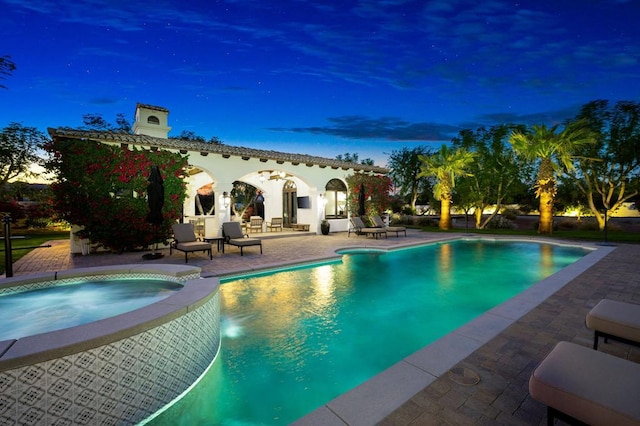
x: 578, y: 383
x: 378, y: 222
x: 233, y: 235
x: 615, y: 320
x: 359, y: 228
x: 185, y: 240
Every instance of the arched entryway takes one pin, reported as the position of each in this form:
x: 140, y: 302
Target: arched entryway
x: 289, y: 203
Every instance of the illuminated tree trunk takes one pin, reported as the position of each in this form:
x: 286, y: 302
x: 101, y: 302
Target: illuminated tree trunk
x: 546, y: 192
x: 445, y: 212
x: 546, y: 213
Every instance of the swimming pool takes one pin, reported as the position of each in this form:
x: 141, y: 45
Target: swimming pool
x: 293, y: 340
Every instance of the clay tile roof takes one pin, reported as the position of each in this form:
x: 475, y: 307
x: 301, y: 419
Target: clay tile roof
x: 204, y: 147
x: 147, y: 106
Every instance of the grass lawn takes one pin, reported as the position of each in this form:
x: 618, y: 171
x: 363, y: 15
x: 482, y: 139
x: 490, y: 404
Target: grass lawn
x: 32, y: 239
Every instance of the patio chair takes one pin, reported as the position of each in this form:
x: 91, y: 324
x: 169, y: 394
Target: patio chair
x: 592, y: 387
x: 378, y: 222
x: 615, y: 320
x: 276, y: 223
x: 233, y: 235
x: 255, y: 224
x: 185, y: 240
x: 359, y: 228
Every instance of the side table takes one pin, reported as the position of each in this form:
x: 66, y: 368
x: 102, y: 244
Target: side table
x: 219, y: 242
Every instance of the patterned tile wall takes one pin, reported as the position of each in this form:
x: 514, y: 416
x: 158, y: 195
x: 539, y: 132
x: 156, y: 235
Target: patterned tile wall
x: 120, y: 383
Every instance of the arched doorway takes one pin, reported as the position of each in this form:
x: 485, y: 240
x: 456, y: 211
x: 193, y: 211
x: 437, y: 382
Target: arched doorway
x: 289, y: 203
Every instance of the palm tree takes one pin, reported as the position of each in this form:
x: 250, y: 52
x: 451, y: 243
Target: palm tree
x: 553, y: 150
x: 445, y: 165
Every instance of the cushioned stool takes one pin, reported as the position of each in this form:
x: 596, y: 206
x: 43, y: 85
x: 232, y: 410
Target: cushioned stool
x: 578, y: 383
x: 615, y: 320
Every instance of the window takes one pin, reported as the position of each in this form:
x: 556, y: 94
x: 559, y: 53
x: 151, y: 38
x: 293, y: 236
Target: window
x: 153, y: 120
x: 336, y: 197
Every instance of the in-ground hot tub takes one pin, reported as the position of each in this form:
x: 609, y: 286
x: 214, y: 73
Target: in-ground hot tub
x: 116, y: 370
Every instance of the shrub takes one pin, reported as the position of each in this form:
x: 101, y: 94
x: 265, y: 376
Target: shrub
x: 500, y: 222
x: 103, y: 189
x: 511, y: 214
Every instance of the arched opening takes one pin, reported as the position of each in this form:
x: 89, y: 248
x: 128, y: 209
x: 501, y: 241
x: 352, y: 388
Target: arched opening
x: 153, y: 120
x: 289, y: 203
x: 336, y: 199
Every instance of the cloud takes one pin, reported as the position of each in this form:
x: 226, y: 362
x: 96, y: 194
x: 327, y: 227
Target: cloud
x: 385, y: 128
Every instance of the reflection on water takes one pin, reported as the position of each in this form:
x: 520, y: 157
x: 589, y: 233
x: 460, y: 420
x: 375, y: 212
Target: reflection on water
x: 37, y: 311
x: 294, y: 340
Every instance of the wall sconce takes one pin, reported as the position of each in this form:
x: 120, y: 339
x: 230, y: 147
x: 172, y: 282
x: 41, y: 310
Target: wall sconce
x: 262, y: 177
x: 226, y: 200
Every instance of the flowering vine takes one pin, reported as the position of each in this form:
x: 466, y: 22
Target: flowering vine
x: 376, y: 192
x: 103, y: 188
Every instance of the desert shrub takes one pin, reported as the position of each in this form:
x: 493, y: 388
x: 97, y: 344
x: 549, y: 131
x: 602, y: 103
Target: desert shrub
x: 525, y: 208
x: 500, y: 222
x: 407, y: 210
x: 510, y: 214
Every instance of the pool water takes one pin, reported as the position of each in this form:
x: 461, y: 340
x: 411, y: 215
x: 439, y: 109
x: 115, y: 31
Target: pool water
x: 76, y: 302
x: 296, y: 339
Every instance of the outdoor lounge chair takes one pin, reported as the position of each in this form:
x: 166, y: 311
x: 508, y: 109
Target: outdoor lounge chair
x: 184, y: 239
x: 360, y: 229
x: 276, y: 223
x: 232, y: 233
x: 377, y: 220
x: 615, y: 320
x: 578, y: 383
x: 255, y: 224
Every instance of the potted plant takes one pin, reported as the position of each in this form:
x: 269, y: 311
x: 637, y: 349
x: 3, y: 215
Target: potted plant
x: 85, y: 244
x: 325, y: 226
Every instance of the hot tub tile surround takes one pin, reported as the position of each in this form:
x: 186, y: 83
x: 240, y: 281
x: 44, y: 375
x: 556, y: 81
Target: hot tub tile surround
x: 120, y: 371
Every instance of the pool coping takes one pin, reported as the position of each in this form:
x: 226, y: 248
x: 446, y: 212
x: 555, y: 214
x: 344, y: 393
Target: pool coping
x: 387, y: 391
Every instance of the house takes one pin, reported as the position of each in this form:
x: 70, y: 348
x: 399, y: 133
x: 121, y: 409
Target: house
x: 302, y: 189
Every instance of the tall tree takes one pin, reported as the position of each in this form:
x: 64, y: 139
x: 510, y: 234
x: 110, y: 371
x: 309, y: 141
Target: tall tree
x: 496, y: 174
x: 19, y: 147
x: 7, y: 67
x: 405, y: 167
x: 615, y: 177
x: 445, y: 165
x: 188, y: 135
x: 354, y: 158
x: 553, y: 151
x: 97, y: 122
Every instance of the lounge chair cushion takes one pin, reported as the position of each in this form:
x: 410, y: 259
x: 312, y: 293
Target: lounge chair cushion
x: 616, y: 318
x: 591, y: 386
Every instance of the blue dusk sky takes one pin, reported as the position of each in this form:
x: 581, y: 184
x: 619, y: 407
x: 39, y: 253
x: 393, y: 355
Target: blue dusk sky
x: 319, y: 77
